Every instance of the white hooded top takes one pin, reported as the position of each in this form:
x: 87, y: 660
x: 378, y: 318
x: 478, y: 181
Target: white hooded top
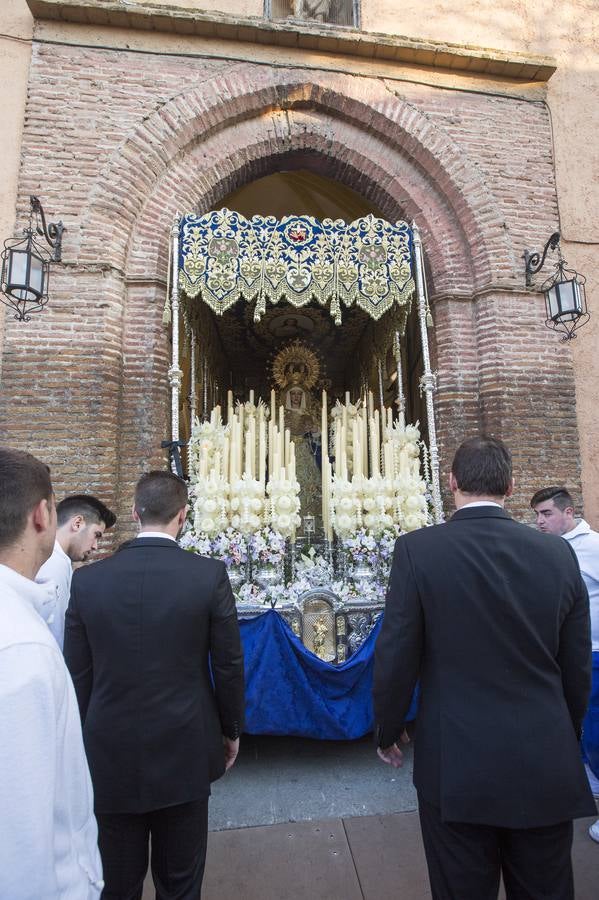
x: 48, y: 832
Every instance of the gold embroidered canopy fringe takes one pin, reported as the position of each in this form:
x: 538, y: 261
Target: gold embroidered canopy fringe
x: 224, y: 258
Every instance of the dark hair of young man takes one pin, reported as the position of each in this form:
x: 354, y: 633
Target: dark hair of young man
x: 159, y: 495
x: 90, y: 508
x: 483, y: 466
x: 24, y: 481
x: 559, y: 494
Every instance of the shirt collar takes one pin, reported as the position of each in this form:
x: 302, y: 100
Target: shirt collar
x: 38, y: 595
x: 58, y: 549
x: 156, y: 534
x: 480, y: 503
x: 582, y: 528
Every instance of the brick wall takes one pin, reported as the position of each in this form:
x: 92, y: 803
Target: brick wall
x: 116, y: 142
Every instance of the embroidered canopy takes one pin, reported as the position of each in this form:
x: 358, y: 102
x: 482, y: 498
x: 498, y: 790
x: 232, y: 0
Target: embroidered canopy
x: 224, y: 257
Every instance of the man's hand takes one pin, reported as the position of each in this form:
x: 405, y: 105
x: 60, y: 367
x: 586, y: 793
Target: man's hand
x: 231, y: 751
x: 392, y: 755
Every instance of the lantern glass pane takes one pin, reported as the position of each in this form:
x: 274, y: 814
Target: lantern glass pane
x: 564, y: 301
x: 36, y: 275
x: 17, y: 267
x: 552, y: 303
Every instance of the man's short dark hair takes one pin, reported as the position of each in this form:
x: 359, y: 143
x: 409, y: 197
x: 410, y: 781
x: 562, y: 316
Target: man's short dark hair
x: 560, y: 495
x: 87, y: 506
x: 483, y: 466
x: 24, y: 481
x: 159, y: 495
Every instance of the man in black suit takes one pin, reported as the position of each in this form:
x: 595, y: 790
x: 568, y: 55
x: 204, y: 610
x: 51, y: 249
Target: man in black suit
x: 152, y: 642
x: 493, y: 618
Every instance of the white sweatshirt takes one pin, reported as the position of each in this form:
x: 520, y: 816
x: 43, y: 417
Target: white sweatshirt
x: 59, y: 570
x: 48, y: 833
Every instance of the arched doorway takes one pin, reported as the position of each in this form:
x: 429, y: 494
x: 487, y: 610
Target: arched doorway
x: 248, y: 347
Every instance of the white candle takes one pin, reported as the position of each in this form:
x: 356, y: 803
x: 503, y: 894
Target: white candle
x: 281, y: 419
x: 273, y: 406
x: 252, y: 445
x: 357, y: 458
x: 287, y: 443
x: 364, y: 438
x: 276, y: 466
x: 281, y: 447
x: 252, y: 398
x: 247, y: 470
x: 374, y: 469
x: 324, y: 429
x: 226, y: 458
x: 239, y: 448
x: 262, y: 450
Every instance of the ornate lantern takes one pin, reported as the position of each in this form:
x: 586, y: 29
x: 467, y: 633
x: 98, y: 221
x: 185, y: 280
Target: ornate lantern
x: 26, y: 264
x: 565, y: 297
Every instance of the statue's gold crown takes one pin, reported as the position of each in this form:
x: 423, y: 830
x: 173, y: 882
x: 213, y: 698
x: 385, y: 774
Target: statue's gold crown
x: 296, y: 363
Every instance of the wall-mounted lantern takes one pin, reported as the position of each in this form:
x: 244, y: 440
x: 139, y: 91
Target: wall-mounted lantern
x: 26, y: 264
x: 565, y: 298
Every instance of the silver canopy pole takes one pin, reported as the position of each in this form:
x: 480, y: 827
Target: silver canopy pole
x: 192, y: 378
x: 428, y: 381
x: 175, y: 374
x: 401, y: 400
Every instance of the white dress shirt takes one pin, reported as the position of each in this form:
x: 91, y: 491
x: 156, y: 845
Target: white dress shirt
x: 158, y: 534
x: 48, y: 833
x: 57, y: 570
x: 585, y: 543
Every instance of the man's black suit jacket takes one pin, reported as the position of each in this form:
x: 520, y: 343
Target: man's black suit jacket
x: 493, y: 617
x: 143, y: 630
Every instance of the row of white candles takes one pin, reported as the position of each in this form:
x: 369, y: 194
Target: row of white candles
x: 371, y: 434
x: 245, y: 449
x: 252, y: 444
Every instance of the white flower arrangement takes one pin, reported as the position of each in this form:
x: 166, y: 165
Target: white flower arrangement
x: 210, y: 505
x: 247, y: 504
x: 283, y: 506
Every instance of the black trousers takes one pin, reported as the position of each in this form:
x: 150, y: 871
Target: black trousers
x: 178, y: 838
x: 465, y: 861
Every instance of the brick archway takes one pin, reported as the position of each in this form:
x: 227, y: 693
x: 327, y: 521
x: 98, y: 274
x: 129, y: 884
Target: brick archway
x: 183, y: 138
x: 206, y: 141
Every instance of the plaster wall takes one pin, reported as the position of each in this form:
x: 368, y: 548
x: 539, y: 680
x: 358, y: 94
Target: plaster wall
x: 16, y: 28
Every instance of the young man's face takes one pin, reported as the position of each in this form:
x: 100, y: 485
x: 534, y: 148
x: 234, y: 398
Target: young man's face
x: 86, y: 540
x: 552, y: 520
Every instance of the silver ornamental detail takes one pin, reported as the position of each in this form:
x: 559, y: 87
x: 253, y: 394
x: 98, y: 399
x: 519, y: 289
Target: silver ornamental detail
x: 175, y: 377
x: 360, y: 624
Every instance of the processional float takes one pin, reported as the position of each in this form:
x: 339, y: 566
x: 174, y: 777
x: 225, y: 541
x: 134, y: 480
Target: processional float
x: 317, y: 548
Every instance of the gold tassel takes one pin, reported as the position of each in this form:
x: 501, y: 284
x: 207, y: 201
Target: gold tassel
x: 429, y: 319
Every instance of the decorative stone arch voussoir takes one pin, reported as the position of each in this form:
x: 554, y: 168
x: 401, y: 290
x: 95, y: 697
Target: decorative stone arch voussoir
x: 335, y: 150
x: 190, y: 119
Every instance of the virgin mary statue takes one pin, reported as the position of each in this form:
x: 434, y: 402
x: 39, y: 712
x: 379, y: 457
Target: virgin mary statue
x: 296, y: 370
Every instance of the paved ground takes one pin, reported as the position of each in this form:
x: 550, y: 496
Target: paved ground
x: 310, y: 820
x: 290, y: 780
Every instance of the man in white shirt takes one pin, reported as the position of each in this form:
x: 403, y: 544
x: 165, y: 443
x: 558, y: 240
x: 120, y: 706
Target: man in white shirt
x: 82, y: 520
x: 554, y: 511
x: 48, y: 832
